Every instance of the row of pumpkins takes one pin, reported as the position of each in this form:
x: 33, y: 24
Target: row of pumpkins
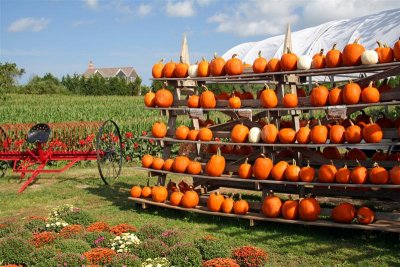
x: 269, y: 134
x: 352, y: 55
x: 263, y: 169
x: 307, y: 209
x: 320, y: 96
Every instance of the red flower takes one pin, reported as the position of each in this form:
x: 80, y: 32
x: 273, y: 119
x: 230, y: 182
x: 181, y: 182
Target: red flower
x: 144, y: 133
x: 123, y: 145
x: 90, y: 138
x: 135, y: 145
x: 151, y: 141
x: 128, y: 135
x: 82, y: 142
x: 128, y: 158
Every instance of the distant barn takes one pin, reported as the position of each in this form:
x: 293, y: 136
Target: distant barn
x: 127, y: 73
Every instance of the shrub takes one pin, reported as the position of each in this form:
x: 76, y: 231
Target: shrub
x: 43, y: 256
x: 98, y: 227
x: 212, y: 248
x: 55, y: 225
x: 249, y: 256
x: 40, y: 239
x: 100, y: 255
x: 5, y: 229
x: 123, y: 228
x: 125, y: 243
x: 150, y: 231
x: 98, y: 239
x: 72, y: 246
x: 150, y: 248
x: 184, y: 255
x: 78, y: 217
x: 125, y: 259
x: 171, y: 237
x: 9, y: 245
x: 156, y: 262
x: 71, y: 259
x: 220, y: 262
x: 72, y: 231
x: 36, y: 226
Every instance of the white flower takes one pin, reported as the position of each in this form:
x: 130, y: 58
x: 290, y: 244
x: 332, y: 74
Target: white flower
x: 118, y: 238
x: 122, y: 246
x: 58, y: 223
x: 47, y: 225
x: 119, y: 250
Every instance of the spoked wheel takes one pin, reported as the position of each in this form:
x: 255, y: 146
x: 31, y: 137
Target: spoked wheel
x: 109, y: 152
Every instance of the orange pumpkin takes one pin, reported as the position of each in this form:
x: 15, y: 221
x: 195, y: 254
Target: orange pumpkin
x: 278, y: 171
x: 234, y: 66
x: 355, y: 154
x: 307, y: 173
x: 240, y: 133
x: 396, y: 50
x: 353, y: 134
x: 159, y: 129
x: 335, y: 96
x: 181, y: 69
x: 168, y: 70
x: 352, y: 53
x: 333, y: 58
x: 394, y: 174
x: 290, y: 209
x: 269, y: 133
x: 260, y: 64
x: 272, y: 206
x: 372, y: 133
x: 214, y: 201
x: 227, y: 205
x: 217, y: 66
x: 157, y: 164
x: 147, y: 160
x: 318, y: 60
x: 365, y: 215
x: 193, y: 135
x: 216, y: 165
x: 319, y: 96
x: 359, y: 174
x: 262, y: 167
x: 182, y: 132
x: 203, y: 68
x: 343, y: 213
x: 378, y: 175
x: 331, y: 152
x: 337, y: 134
x: 194, y: 167
x: 319, y: 134
x: 385, y: 53
x: 268, y: 98
x: 241, y: 207
x: 157, y: 70
x: 234, y: 102
x: 176, y: 198
x: 168, y: 164
x: 207, y: 98
x: 146, y: 192
x: 288, y: 61
x: 342, y: 176
x: 205, y: 134
x: 290, y: 101
x: 303, y: 135
x: 193, y: 101
x: 245, y: 170
x: 326, y: 173
x: 287, y: 136
x: 292, y: 172
x: 180, y: 164
x: 150, y: 99
x: 190, y: 199
x: 164, y: 98
x: 370, y: 94
x: 136, y: 191
x: 159, y: 194
x: 351, y: 93
x: 274, y: 65
x: 309, y: 209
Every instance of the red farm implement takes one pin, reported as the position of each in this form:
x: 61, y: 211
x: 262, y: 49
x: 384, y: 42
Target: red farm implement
x: 30, y: 149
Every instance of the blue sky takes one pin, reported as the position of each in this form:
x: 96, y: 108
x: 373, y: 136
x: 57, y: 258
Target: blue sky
x: 60, y: 36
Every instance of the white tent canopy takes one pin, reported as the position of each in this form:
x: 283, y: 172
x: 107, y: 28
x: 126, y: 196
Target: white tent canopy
x: 383, y: 26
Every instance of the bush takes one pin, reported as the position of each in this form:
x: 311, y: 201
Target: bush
x: 249, y: 256
x: 150, y: 248
x: 78, y: 217
x: 72, y: 246
x: 150, y: 231
x: 98, y: 239
x: 5, y: 229
x: 40, y: 239
x: 220, y: 262
x: 70, y: 259
x: 72, y: 231
x: 184, y: 255
x: 44, y: 256
x: 100, y: 255
x: 125, y: 259
x: 36, y: 226
x: 9, y: 245
x: 212, y: 248
x: 123, y: 228
x: 171, y: 237
x: 98, y: 227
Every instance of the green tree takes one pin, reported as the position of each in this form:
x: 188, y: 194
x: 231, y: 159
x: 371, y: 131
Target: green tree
x: 9, y: 73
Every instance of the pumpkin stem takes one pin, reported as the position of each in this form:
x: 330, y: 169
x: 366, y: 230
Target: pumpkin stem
x: 321, y: 53
x: 331, y: 162
x: 215, y: 55
x: 240, y: 196
x: 319, y: 122
x: 148, y: 181
x: 218, y: 151
x: 203, y: 59
x: 288, y: 50
x: 370, y: 84
x: 294, y: 162
x: 270, y: 193
x: 379, y: 44
x: 246, y: 160
x: 204, y: 87
x: 266, y: 86
x: 165, y: 84
x: 376, y: 164
x: 234, y: 55
x: 345, y: 165
x: 356, y: 40
x: 181, y: 59
x: 308, y: 163
x: 290, y: 197
x: 161, y: 60
x: 358, y: 163
x: 259, y: 53
x: 334, y: 46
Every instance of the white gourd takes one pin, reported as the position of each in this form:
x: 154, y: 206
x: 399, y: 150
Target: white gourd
x: 369, y: 57
x: 254, y: 135
x: 193, y: 70
x: 304, y: 62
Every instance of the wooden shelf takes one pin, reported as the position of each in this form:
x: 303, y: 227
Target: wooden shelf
x: 235, y: 178
x: 379, y: 225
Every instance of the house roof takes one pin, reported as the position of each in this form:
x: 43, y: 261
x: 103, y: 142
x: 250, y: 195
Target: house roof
x: 110, y: 72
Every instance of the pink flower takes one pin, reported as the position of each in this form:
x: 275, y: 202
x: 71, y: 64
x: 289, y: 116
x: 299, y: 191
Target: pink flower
x: 151, y: 141
x: 144, y: 133
x: 128, y: 158
x: 123, y: 145
x: 128, y: 135
x: 135, y: 145
x: 82, y: 142
x: 90, y: 138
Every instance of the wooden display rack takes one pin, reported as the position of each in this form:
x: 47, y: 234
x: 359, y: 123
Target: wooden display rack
x: 251, y: 109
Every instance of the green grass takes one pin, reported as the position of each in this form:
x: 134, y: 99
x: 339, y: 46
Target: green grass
x: 287, y: 245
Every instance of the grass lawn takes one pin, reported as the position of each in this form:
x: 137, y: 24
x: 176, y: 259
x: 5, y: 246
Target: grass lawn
x: 287, y: 245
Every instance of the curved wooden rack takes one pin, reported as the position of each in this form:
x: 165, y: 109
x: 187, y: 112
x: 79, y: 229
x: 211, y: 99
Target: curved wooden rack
x: 379, y: 225
x: 235, y: 178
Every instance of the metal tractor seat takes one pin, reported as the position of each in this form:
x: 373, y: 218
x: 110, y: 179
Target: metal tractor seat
x: 39, y: 133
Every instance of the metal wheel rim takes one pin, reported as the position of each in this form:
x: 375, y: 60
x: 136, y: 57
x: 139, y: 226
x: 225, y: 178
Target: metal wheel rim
x: 106, y: 175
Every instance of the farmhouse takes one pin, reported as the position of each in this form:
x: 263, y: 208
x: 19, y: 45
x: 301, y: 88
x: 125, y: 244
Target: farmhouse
x: 128, y: 73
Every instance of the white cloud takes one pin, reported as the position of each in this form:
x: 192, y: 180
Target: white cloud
x: 80, y: 23
x: 180, y: 9
x: 93, y: 4
x: 270, y: 17
x: 144, y: 10
x: 122, y: 7
x: 28, y: 24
